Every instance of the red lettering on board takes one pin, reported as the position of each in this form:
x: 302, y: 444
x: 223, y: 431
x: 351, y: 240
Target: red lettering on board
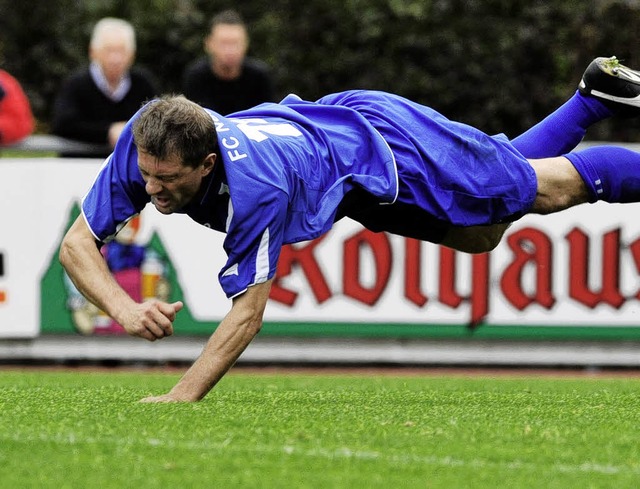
x: 379, y: 245
x: 303, y: 257
x: 635, y: 253
x: 579, y: 289
x: 479, y: 295
x: 532, y: 257
x: 531, y: 248
x: 413, y: 272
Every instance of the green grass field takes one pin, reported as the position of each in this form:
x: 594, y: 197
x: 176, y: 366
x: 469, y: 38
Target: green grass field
x: 78, y: 429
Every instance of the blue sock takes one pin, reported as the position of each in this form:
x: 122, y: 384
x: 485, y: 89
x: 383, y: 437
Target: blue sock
x: 611, y: 173
x: 562, y: 130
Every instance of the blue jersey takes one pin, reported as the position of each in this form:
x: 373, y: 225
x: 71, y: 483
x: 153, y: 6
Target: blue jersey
x: 284, y: 170
x: 449, y: 173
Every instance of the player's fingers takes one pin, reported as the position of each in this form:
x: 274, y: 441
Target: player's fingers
x: 161, y: 325
x: 170, y: 310
x: 154, y: 319
x: 156, y: 330
x: 149, y: 322
x: 143, y: 332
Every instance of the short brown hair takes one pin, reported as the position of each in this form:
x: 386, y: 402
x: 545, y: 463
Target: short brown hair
x: 175, y: 126
x: 227, y: 17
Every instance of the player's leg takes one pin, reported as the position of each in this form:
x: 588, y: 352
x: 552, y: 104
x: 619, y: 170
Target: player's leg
x: 607, y: 88
x: 562, y: 130
x: 600, y: 173
x: 560, y: 185
x: 474, y: 239
x: 607, y: 173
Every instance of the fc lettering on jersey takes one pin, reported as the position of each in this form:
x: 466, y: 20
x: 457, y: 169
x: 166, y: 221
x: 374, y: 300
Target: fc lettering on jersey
x: 231, y: 145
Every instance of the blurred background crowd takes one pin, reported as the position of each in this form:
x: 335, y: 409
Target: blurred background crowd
x: 499, y: 65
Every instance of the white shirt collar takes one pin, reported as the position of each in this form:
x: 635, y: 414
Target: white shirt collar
x: 103, y: 85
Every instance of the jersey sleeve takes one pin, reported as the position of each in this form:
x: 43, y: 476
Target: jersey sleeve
x: 254, y: 238
x: 117, y: 193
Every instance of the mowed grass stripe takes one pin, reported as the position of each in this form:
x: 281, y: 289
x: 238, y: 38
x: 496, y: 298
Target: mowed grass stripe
x: 346, y: 453
x: 78, y: 429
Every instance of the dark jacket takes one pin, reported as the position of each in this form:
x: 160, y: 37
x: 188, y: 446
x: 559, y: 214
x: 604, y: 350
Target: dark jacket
x: 82, y: 112
x: 253, y: 87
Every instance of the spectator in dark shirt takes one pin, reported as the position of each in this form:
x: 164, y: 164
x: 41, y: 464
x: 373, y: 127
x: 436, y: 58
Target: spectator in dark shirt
x: 227, y: 80
x: 94, y: 103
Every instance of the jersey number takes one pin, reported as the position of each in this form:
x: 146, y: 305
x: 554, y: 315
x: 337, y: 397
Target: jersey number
x: 258, y: 129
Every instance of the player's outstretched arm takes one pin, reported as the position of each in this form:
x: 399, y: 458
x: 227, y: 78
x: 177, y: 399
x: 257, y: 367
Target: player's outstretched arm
x: 229, y: 340
x: 88, y: 270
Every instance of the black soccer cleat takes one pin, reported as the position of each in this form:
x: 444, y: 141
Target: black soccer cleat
x: 614, y: 83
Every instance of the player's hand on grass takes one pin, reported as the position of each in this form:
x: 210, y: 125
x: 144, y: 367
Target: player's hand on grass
x: 151, y: 320
x: 163, y: 398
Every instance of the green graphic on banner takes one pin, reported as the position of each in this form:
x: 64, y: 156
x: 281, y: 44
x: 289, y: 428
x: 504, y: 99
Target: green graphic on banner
x: 144, y: 271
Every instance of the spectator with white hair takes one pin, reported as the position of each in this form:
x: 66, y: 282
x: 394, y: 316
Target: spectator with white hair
x: 95, y: 101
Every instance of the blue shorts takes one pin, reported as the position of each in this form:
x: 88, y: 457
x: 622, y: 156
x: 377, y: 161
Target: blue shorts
x: 450, y: 174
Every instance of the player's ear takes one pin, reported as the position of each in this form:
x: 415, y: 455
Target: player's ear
x: 208, y: 163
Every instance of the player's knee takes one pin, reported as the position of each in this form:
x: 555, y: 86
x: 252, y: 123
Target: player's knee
x: 560, y: 186
x: 550, y: 203
x: 482, y: 244
x: 474, y: 239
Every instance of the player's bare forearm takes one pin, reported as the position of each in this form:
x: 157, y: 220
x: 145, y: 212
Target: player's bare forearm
x: 219, y: 354
x: 231, y: 338
x: 89, y: 272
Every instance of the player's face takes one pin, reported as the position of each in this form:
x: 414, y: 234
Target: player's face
x: 170, y: 184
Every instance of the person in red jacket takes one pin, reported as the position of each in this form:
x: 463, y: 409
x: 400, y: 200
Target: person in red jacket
x: 16, y: 118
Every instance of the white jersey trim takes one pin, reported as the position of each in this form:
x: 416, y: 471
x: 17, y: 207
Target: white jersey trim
x: 262, y: 259
x: 395, y: 166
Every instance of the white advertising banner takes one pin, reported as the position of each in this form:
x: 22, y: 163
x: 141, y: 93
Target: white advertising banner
x: 580, y: 267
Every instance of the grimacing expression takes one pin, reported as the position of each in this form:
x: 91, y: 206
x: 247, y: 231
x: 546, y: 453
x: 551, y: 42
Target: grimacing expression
x: 171, y: 184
